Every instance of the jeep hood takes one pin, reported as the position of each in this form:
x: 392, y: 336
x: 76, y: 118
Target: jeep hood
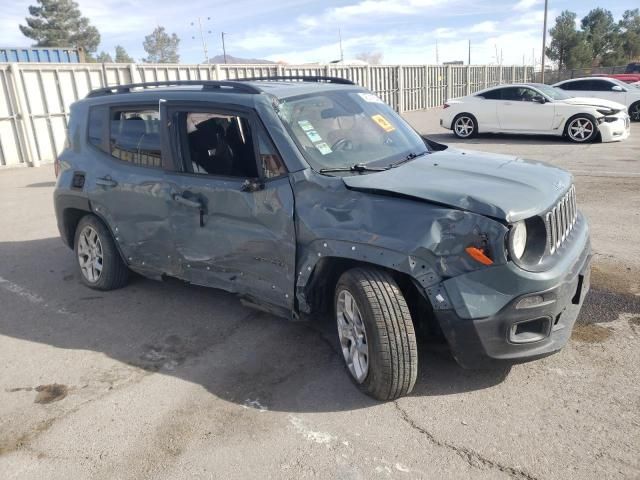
x: 500, y: 186
x: 594, y: 102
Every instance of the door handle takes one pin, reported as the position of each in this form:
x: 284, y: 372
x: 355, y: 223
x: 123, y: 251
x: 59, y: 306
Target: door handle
x: 106, y: 182
x: 186, y: 202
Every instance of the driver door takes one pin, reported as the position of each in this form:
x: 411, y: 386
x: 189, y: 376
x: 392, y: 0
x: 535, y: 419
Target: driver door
x: 232, y: 210
x: 519, y: 112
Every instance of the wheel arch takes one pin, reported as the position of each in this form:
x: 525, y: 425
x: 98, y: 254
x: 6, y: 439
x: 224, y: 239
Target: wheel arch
x: 315, y: 295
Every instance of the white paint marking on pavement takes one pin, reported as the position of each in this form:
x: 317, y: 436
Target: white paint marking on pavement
x: 21, y: 291
x: 254, y: 405
x: 311, y: 435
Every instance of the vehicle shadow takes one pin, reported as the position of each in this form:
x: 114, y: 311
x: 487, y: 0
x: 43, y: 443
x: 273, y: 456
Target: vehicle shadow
x: 511, y: 139
x: 197, y: 334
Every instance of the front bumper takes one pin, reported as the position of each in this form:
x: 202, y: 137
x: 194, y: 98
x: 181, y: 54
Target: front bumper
x: 512, y: 334
x: 615, y: 131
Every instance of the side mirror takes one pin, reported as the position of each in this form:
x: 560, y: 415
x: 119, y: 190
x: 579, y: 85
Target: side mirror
x: 252, y: 185
x: 539, y: 99
x: 617, y: 88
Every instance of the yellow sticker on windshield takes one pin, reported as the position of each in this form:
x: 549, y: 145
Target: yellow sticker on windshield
x: 383, y: 122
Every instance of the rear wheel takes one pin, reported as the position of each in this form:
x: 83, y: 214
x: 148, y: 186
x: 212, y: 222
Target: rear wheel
x: 634, y: 112
x: 376, y: 333
x: 465, y: 126
x: 99, y: 261
x: 581, y: 129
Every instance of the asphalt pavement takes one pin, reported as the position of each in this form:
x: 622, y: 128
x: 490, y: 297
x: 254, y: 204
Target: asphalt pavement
x: 168, y: 381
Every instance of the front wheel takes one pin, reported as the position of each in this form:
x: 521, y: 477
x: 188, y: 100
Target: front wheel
x: 376, y: 333
x: 581, y: 129
x: 465, y: 126
x: 634, y: 112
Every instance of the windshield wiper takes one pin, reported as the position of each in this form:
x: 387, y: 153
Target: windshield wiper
x: 408, y: 158
x: 358, y: 167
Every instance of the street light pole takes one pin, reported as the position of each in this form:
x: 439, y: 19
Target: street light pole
x: 224, y: 50
x: 544, y: 38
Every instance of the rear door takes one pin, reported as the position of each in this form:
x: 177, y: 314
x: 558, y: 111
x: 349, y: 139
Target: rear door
x: 232, y: 204
x: 517, y: 111
x: 127, y: 187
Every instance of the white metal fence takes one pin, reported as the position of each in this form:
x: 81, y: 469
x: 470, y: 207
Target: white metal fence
x: 35, y: 98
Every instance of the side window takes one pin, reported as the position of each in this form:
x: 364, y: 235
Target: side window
x: 526, y: 94
x: 271, y: 163
x: 511, y: 94
x: 601, y: 85
x: 134, y: 137
x: 575, y: 85
x: 218, y: 144
x: 493, y: 94
x: 95, y: 131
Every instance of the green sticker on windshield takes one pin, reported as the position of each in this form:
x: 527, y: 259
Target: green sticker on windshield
x: 305, y: 125
x: 323, y: 148
x: 313, y: 136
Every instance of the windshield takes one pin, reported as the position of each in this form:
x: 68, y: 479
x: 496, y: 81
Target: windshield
x: 338, y: 129
x: 553, y: 92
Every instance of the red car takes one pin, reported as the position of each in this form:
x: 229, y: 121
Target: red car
x: 624, y: 77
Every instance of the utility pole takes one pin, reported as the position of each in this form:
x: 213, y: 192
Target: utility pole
x: 202, y: 39
x: 544, y: 38
x: 469, y: 62
x: 224, y: 50
x: 341, y: 51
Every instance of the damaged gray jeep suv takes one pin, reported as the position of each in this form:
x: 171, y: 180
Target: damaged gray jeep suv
x: 309, y: 194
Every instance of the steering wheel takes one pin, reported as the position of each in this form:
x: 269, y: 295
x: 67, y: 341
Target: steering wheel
x: 342, y: 144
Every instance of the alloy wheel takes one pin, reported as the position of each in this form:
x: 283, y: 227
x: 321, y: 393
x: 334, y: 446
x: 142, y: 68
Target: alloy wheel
x: 90, y: 254
x: 634, y: 112
x: 464, y: 126
x: 580, y: 129
x: 353, y: 336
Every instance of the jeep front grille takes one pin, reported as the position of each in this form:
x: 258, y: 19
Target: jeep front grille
x: 561, y: 219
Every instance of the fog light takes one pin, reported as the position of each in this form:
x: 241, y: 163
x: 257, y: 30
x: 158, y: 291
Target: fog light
x: 529, y: 302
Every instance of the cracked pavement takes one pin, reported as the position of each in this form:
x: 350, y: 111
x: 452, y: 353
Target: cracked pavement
x: 162, y: 380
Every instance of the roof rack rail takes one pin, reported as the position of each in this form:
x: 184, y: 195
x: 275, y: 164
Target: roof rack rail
x: 304, y: 78
x: 236, y: 87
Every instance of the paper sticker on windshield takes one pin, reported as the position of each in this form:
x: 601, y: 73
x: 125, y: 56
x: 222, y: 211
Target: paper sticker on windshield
x: 305, y: 125
x: 370, y: 97
x: 313, y: 136
x: 323, y: 148
x: 383, y: 123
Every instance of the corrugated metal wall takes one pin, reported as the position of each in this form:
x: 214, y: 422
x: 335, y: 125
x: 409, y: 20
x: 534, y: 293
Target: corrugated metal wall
x: 35, y: 97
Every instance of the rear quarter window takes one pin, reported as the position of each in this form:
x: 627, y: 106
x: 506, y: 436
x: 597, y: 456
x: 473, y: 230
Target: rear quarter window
x: 96, y: 131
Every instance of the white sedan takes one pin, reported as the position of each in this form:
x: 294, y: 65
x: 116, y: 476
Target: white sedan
x: 607, y: 88
x: 534, y: 108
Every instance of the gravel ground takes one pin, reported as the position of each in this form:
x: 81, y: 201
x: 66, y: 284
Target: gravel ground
x: 162, y: 380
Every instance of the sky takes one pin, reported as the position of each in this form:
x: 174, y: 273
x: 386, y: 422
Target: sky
x: 302, y: 31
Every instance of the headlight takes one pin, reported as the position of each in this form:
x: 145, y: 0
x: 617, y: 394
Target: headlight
x: 605, y: 111
x: 518, y: 239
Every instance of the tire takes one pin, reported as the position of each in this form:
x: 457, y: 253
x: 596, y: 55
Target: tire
x: 581, y: 129
x: 465, y: 126
x: 634, y: 112
x: 387, y: 333
x: 97, y: 257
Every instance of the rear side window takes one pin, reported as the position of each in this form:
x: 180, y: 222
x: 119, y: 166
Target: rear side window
x: 134, y: 137
x: 492, y: 94
x: 96, y: 127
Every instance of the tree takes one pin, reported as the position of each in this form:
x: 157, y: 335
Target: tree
x: 564, y: 38
x: 630, y: 33
x: 603, y: 36
x: 122, y: 56
x: 372, y: 58
x: 104, y: 57
x: 161, y: 47
x: 59, y: 23
x: 581, y: 54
